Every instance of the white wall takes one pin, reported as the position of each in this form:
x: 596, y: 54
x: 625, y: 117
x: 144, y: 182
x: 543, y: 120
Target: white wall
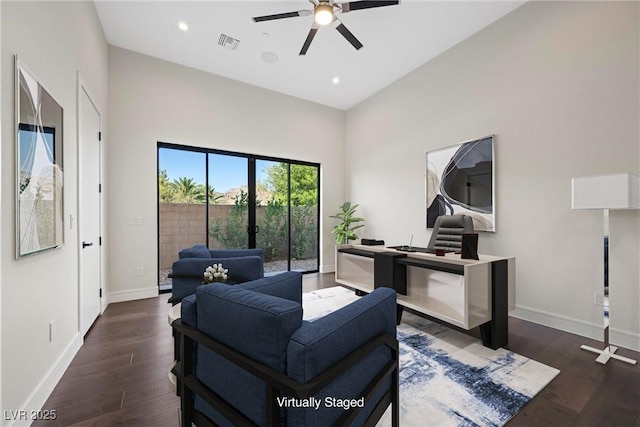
x: 1, y: 235
x: 55, y: 40
x: 151, y: 100
x: 557, y: 83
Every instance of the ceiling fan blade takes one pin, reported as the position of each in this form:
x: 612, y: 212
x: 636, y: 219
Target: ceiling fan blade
x: 282, y: 15
x: 359, y: 5
x: 310, y: 36
x: 348, y: 35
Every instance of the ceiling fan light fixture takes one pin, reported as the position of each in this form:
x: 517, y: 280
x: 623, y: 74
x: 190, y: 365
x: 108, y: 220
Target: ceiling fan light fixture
x: 323, y: 13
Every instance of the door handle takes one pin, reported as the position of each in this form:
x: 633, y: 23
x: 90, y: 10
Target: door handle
x: 85, y: 244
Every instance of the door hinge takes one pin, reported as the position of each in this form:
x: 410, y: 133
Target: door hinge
x: 99, y: 136
x: 100, y: 240
x: 100, y: 292
x: 99, y: 188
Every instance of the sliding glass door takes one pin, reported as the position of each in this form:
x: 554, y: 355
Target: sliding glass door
x: 181, y: 206
x: 272, y: 215
x: 228, y: 201
x: 232, y: 200
x: 304, y: 213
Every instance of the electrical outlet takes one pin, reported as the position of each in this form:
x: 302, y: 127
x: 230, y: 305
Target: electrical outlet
x: 598, y: 298
x: 136, y: 220
x: 51, y: 330
x: 140, y: 271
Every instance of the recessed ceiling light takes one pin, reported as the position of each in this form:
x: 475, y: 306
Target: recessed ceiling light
x: 269, y: 57
x: 336, y: 80
x: 183, y: 26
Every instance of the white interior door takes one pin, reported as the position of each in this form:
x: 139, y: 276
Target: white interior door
x: 89, y: 214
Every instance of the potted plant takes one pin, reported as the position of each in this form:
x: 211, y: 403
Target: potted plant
x: 344, y: 231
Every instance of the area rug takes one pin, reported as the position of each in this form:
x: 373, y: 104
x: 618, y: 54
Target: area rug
x: 448, y: 378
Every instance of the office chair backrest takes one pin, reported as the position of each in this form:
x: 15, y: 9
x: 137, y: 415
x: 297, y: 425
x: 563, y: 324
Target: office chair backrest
x: 448, y: 230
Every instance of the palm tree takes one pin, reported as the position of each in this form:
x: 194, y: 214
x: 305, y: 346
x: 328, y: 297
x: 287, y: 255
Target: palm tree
x: 165, y: 187
x: 187, y: 191
x: 214, y: 196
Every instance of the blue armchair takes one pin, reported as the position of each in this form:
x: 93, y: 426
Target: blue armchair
x: 248, y: 358
x: 244, y: 265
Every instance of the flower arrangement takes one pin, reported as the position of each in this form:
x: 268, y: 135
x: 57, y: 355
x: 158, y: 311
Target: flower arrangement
x: 215, y: 273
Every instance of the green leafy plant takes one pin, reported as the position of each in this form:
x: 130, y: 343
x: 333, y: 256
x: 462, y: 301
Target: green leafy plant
x: 304, y: 240
x: 344, y: 231
x: 273, y: 231
x: 232, y: 232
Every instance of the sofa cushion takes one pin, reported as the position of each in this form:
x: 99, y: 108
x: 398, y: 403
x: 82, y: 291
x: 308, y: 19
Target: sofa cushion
x: 196, y: 251
x: 257, y: 325
x: 287, y: 285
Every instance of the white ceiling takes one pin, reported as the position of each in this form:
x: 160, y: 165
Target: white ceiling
x: 396, y: 39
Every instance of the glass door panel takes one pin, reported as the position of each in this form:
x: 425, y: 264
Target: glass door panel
x: 272, y: 214
x: 181, y: 206
x: 228, y: 201
x: 304, y: 217
x: 234, y: 200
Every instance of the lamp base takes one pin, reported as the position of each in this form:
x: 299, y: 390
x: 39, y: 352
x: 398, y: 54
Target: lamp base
x: 608, y: 353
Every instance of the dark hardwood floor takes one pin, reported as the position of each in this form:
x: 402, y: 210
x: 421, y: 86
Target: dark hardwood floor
x: 119, y: 376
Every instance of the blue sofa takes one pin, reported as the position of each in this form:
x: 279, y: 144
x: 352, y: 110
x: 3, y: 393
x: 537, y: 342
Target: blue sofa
x: 248, y: 358
x: 187, y: 272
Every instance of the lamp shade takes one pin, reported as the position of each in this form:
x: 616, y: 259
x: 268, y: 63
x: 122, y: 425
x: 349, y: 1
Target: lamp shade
x: 616, y: 191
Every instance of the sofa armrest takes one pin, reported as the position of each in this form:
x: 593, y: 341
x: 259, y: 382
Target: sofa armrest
x: 286, y: 285
x: 188, y: 309
x: 318, y: 345
x: 235, y: 253
x: 241, y: 269
x: 324, y: 345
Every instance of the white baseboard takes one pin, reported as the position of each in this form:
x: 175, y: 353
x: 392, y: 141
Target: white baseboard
x: 327, y: 268
x: 133, y: 294
x: 594, y: 331
x: 43, y: 390
x: 624, y: 339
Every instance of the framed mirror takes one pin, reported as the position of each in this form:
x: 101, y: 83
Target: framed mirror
x: 39, y: 204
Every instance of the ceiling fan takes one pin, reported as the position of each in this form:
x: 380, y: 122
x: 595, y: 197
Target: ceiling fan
x: 325, y: 13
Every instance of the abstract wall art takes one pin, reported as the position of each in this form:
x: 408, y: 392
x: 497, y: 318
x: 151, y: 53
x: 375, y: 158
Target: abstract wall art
x: 39, y: 210
x: 460, y: 180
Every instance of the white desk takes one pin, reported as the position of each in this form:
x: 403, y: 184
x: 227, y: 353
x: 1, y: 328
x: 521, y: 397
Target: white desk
x: 465, y: 293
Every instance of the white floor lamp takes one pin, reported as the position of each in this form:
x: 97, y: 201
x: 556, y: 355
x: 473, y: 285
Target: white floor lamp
x: 606, y: 192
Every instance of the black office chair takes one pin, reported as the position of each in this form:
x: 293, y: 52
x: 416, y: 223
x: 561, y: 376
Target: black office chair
x: 448, y: 230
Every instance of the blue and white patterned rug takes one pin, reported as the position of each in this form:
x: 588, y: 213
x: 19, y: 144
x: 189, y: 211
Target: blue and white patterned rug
x: 448, y: 378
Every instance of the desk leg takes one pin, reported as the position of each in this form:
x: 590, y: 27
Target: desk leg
x: 399, y: 310
x: 495, y: 333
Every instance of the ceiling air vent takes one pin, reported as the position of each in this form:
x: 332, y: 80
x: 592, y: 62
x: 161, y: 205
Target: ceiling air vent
x: 228, y: 42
